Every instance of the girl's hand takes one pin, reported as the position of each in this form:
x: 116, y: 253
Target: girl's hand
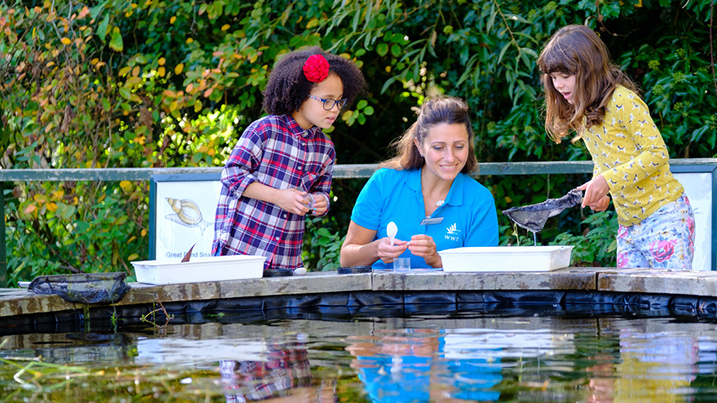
x: 601, y: 205
x: 321, y: 204
x: 291, y: 200
x: 387, y: 252
x: 595, y: 192
x: 424, y: 246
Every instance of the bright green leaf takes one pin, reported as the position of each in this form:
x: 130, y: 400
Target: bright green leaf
x: 116, y: 42
x: 382, y: 49
x: 102, y: 28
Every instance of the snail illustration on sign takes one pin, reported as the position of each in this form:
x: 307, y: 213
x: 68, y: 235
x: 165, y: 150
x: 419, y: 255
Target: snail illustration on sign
x: 187, y: 213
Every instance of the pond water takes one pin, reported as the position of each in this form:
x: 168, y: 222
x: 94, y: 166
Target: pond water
x: 505, y: 355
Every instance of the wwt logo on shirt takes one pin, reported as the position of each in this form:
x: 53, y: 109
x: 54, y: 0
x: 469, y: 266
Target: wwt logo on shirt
x: 452, y: 233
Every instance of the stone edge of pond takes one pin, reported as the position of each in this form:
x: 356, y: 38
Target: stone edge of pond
x: 14, y: 302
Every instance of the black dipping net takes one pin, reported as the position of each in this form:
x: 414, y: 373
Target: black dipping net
x: 89, y: 288
x: 534, y: 216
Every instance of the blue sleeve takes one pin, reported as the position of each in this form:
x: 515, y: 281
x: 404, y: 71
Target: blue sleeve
x: 484, y: 223
x: 369, y: 205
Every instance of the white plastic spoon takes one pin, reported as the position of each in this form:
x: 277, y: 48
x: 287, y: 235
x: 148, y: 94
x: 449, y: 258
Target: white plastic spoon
x: 391, y: 231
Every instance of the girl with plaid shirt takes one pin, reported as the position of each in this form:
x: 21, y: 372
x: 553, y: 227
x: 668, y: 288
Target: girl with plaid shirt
x: 281, y: 167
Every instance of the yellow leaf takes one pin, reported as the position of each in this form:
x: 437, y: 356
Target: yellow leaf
x: 58, y: 194
x: 94, y: 61
x: 178, y: 70
x: 225, y: 27
x: 126, y: 185
x: 52, y: 206
x: 40, y: 198
x: 140, y: 140
x: 197, y: 106
x: 132, y: 257
x: 144, y: 232
x: 508, y: 200
x: 124, y: 70
x: 171, y: 20
x: 65, y: 41
x: 161, y: 61
x: 211, y: 152
x: 161, y: 71
x: 135, y: 71
x: 189, y: 40
x: 169, y: 93
x: 312, y: 23
x: 190, y: 87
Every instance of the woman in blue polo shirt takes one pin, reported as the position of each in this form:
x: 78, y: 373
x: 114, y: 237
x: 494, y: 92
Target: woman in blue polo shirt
x: 427, y: 191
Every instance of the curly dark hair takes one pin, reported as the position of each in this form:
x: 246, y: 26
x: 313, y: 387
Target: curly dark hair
x: 288, y: 88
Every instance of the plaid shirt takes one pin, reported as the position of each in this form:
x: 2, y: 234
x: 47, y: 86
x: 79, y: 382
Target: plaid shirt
x: 276, y: 152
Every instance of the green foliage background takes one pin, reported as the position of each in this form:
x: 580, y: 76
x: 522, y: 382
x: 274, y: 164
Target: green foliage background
x: 174, y: 83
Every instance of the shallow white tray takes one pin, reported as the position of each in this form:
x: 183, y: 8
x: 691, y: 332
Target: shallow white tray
x: 217, y: 268
x: 506, y: 258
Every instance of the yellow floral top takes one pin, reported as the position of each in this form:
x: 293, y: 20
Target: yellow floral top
x: 629, y: 152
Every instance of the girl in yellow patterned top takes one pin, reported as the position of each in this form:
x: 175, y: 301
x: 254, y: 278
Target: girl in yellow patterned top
x: 586, y: 93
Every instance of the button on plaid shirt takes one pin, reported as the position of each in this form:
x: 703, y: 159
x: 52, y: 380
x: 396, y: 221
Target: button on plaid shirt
x: 276, y: 152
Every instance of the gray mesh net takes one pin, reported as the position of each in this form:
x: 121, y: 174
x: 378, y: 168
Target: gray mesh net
x: 534, y: 216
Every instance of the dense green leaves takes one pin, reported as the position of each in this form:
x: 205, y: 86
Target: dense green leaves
x: 173, y: 83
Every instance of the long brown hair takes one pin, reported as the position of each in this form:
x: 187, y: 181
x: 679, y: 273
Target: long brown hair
x: 577, y: 50
x: 433, y: 112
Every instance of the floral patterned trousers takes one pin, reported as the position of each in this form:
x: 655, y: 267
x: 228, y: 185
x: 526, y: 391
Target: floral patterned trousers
x: 664, y: 240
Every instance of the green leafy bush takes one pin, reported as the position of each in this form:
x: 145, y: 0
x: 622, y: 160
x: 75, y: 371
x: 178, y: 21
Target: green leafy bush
x: 155, y: 83
x: 596, y: 245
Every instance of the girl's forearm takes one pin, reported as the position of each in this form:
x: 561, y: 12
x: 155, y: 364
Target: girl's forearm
x: 259, y: 191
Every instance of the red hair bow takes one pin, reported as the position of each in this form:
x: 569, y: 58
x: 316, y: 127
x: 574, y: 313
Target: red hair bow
x: 316, y: 68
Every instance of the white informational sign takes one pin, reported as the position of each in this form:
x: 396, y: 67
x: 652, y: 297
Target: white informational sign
x: 698, y: 187
x: 184, y: 216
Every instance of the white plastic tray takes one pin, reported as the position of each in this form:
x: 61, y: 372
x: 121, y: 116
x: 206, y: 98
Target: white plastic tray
x: 197, y: 270
x: 506, y: 258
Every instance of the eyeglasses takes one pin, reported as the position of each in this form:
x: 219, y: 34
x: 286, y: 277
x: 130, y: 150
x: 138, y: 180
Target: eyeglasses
x: 329, y: 103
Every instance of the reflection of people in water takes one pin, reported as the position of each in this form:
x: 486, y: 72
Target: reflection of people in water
x: 284, y: 376
x: 654, y: 368
x: 650, y: 367
x: 405, y: 369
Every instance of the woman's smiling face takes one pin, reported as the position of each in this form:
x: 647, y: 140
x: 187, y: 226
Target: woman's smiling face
x: 445, y: 149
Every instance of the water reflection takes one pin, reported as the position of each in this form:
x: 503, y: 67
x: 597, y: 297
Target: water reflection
x: 470, y: 357
x: 278, y: 370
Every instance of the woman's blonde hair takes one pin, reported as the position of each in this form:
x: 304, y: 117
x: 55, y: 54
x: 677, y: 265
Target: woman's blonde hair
x: 577, y: 50
x: 433, y: 112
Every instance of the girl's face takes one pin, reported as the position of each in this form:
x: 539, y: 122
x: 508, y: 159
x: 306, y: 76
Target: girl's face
x: 312, y: 112
x: 565, y: 84
x: 445, y: 149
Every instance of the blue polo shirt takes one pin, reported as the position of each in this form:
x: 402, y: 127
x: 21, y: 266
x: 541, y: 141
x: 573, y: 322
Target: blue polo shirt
x: 469, y: 214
